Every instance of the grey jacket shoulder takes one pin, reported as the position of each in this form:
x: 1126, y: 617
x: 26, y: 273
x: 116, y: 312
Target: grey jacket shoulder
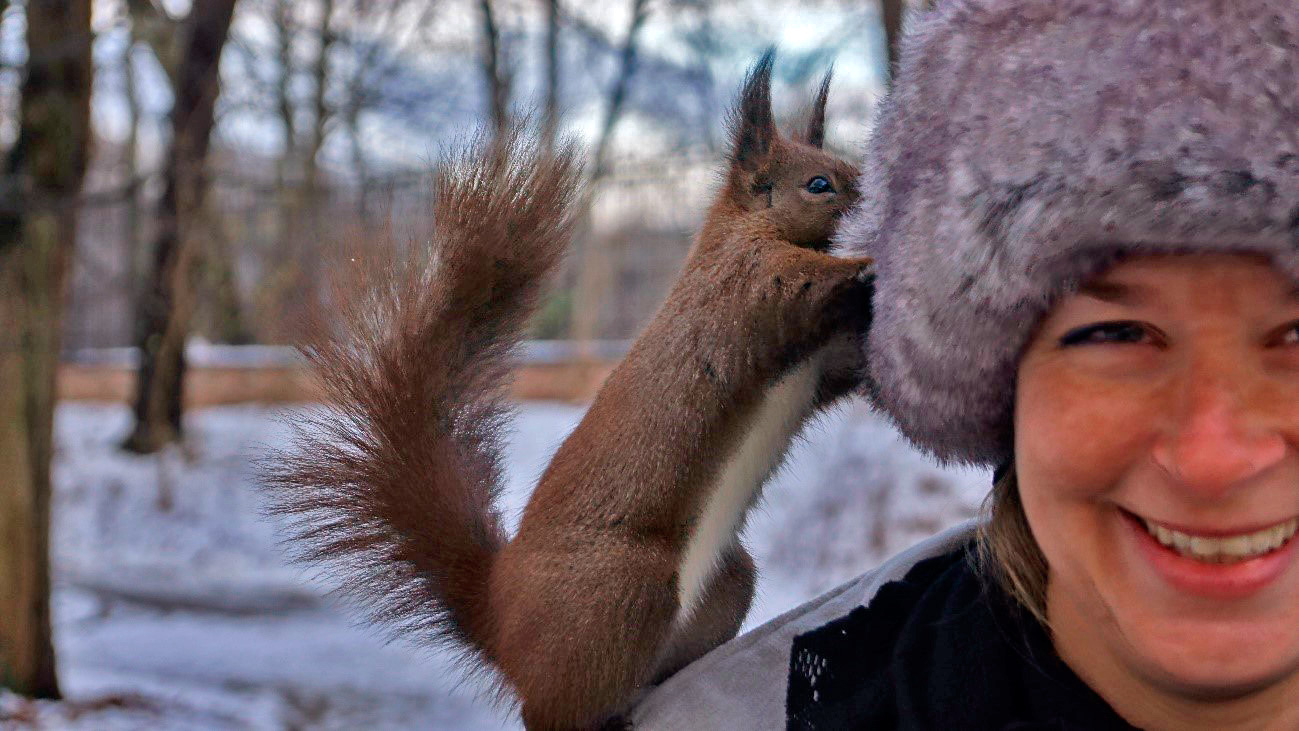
x: 741, y: 685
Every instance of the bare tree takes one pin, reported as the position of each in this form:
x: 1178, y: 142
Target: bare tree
x: 9, y: 112
x: 891, y: 12
x: 704, y: 45
x: 300, y: 150
x: 550, y: 107
x: 38, y: 228
x: 358, y: 84
x: 131, y: 161
x: 320, y: 111
x: 303, y: 152
x: 594, y: 262
x: 366, y: 42
x: 165, y: 309
x: 283, y: 256
x: 496, y: 70
x: 151, y: 24
x: 298, y: 186
x: 618, y: 90
x: 282, y: 20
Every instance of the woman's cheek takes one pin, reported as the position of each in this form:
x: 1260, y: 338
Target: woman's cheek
x: 1079, y: 434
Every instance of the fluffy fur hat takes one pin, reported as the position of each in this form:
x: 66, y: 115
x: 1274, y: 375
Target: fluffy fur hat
x: 1028, y: 144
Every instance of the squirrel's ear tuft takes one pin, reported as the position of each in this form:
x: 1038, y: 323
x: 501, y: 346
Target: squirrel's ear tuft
x: 814, y: 132
x: 751, y: 123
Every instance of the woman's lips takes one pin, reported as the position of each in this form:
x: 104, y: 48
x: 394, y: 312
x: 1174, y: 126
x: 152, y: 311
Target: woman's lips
x: 1209, y: 576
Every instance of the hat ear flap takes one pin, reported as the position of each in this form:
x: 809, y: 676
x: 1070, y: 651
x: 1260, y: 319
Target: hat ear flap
x: 814, y: 131
x: 752, y: 127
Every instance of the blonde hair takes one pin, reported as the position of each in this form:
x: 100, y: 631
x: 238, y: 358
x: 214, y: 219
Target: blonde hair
x: 1006, y: 550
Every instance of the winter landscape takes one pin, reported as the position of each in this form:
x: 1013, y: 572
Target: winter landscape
x: 174, y: 607
x: 217, y: 162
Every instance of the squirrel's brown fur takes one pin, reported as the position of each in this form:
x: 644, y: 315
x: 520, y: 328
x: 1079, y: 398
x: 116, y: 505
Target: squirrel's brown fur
x: 397, y: 478
x: 582, y: 608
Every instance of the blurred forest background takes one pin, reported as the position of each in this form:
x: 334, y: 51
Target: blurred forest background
x: 178, y: 176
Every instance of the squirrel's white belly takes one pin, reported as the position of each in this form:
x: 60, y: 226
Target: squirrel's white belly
x: 783, y: 410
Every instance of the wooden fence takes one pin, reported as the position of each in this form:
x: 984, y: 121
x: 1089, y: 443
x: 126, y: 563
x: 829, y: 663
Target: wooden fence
x: 548, y: 370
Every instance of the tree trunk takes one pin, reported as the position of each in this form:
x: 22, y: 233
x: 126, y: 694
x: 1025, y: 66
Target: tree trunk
x: 283, y: 21
x: 4, y: 111
x: 891, y: 12
x: 150, y: 23
x: 319, y: 106
x: 618, y: 92
x: 282, y: 258
x: 38, y: 225
x: 163, y: 319
x: 495, y: 70
x: 312, y: 218
x: 131, y: 162
x: 550, y: 110
x: 595, y: 264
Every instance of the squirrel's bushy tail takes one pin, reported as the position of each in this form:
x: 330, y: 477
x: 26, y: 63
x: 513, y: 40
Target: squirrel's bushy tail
x: 391, y: 487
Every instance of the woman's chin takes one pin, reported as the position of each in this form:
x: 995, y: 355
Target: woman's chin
x: 1213, y: 661
x: 1197, y: 630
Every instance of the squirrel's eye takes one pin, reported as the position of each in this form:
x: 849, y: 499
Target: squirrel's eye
x: 818, y: 185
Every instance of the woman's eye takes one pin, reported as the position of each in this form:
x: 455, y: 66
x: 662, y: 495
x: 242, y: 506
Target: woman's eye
x: 1106, y: 332
x: 819, y: 184
x: 1290, y: 336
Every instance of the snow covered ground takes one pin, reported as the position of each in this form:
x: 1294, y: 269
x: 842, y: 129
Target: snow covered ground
x: 174, y: 608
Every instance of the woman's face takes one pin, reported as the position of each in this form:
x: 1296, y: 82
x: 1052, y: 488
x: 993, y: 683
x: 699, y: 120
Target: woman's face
x: 1156, y: 423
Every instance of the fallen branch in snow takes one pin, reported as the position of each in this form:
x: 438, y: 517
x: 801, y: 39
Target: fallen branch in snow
x: 213, y: 599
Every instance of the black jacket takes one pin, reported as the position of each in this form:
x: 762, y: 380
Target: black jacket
x: 938, y: 649
x: 918, y: 643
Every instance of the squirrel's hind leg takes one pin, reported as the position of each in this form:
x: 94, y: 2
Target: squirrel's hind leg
x: 716, y: 619
x: 531, y: 722
x: 718, y: 614
x: 582, y: 624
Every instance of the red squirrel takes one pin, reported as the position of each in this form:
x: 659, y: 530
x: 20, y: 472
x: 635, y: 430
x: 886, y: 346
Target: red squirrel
x: 627, y: 564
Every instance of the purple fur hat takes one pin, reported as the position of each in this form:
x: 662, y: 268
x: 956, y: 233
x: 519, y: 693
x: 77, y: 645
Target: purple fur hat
x: 1030, y: 142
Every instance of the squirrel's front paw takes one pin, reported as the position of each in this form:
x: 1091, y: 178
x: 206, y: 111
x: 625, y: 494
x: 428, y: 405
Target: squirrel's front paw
x: 817, y: 296
x: 846, y: 296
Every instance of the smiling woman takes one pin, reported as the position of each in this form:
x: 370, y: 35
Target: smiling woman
x: 1156, y: 425
x: 1085, y: 221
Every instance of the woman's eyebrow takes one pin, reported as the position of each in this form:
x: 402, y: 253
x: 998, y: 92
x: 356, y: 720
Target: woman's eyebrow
x: 1126, y: 294
x: 1117, y: 293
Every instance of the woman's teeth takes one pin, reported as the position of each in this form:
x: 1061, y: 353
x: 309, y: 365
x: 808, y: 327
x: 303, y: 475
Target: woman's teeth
x: 1227, y: 549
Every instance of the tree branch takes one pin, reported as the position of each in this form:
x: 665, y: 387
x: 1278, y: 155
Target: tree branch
x: 618, y: 93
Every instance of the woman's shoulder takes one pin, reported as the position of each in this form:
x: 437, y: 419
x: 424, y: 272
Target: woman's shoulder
x: 746, y: 682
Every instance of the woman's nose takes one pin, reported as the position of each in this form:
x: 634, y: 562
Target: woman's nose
x: 1222, y: 433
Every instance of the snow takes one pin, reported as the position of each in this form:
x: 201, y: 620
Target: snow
x: 174, y: 607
